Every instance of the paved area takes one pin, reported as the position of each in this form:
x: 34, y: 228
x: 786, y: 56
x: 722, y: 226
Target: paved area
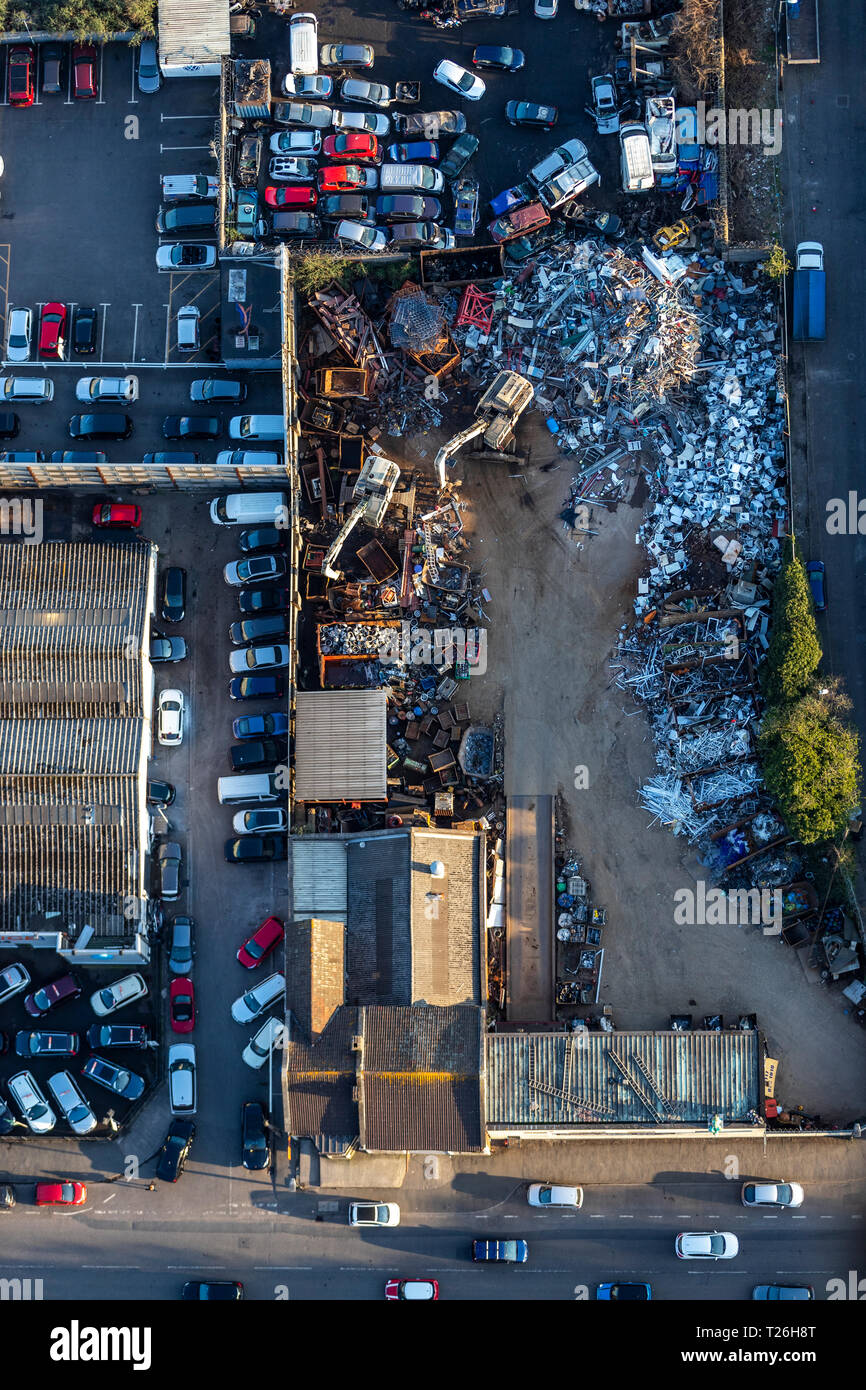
x: 529, y: 907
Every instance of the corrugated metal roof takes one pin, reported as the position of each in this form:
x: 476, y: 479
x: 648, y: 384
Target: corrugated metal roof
x: 641, y: 1078
x: 340, y: 745
x: 193, y: 32
x: 319, y: 877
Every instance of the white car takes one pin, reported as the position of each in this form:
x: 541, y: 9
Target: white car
x: 19, y: 336
x: 605, y: 105
x: 185, y: 255
x: 181, y: 1079
x: 116, y: 996
x: 556, y: 161
x: 169, y: 728
x: 772, y: 1194
x: 73, y: 1107
x: 28, y: 390
x: 356, y: 234
x: 706, y: 1245
x: 187, y: 328
x: 358, y: 89
x: 374, y: 1214
x: 262, y: 1043
x: 545, y: 9
x: 189, y: 186
x: 460, y: 80
x: 269, y: 820
x: 543, y: 1194
x: 315, y: 87
x: 107, y: 388
x: 34, y: 1107
x: 13, y: 978
x: 259, y: 998
x: 292, y: 168
x: 369, y: 122
x: 297, y: 142
x: 247, y: 659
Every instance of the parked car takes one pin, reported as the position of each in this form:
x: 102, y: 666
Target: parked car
x: 502, y: 1251
x: 408, y: 207
x: 175, y: 1150
x: 706, y: 1245
x: 254, y: 629
x: 605, y: 105
x: 301, y: 113
x: 181, y: 953
x: 215, y: 388
x: 20, y: 67
x: 372, y: 122
x: 19, y: 334
x: 31, y: 1103
x: 256, y: 849
x: 268, y: 820
x: 460, y: 80
x: 367, y: 93
x: 459, y: 156
x: 191, y: 219
x: 296, y: 142
x: 149, y: 75
x: 125, y: 514
x: 189, y: 186
x: 624, y: 1293
x: 340, y: 178
x: 356, y: 146
x: 374, y: 1214
x: 364, y: 238
x: 28, y: 390
x: 262, y: 538
x: 255, y: 1148
x: 100, y: 426
x: 188, y: 320
x: 60, y: 991
x: 166, y: 649
x: 264, y: 939
x: 185, y: 255
x: 173, y: 590
x: 465, y: 207
x: 346, y: 55
x: 45, y: 1044
x: 257, y: 688
x: 85, y: 77
x: 431, y: 124
x: 111, y: 1077
x: 265, y: 600
x: 107, y: 388
x: 292, y: 168
x: 111, y: 1035
x: 296, y: 224
x: 262, y: 996
x: 182, y: 1091
x: 497, y: 57
x: 52, y: 56
x: 13, y: 978
x: 181, y: 1004
x: 547, y: 1195
x: 262, y: 1043
x: 783, y: 1293
x: 772, y: 1194
x: 84, y: 326
x: 412, y: 1290
x: 411, y: 151
x: 73, y: 1107
x: 170, y: 713
x: 255, y: 753
x: 530, y: 113
x: 61, y: 1194
x: 545, y: 9
x: 255, y: 567
x: 314, y: 86
x: 815, y: 573
x: 168, y: 457
x: 117, y: 995
x: 192, y: 427
x: 52, y: 330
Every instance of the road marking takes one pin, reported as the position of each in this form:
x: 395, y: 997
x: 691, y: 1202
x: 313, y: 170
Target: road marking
x: 167, y: 308
x: 301, y: 1268
x: 598, y: 1216
x: 204, y: 116
x: 623, y: 1217
x: 164, y: 148
x: 104, y: 308
x: 205, y: 1267
x: 768, y: 1217
x: 133, y: 100
x: 825, y: 1218
x: 714, y: 1271
x: 655, y: 1218
x: 799, y: 1218
x: 136, y: 307
x: 100, y: 100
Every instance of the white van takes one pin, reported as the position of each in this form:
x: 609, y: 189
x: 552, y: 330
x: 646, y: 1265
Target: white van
x: 252, y: 786
x: 636, y: 158
x: 418, y: 178
x: 257, y: 427
x: 250, y: 509
x: 303, y: 45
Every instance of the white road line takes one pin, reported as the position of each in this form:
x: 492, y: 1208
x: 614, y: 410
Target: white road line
x: 798, y: 1218
x: 110, y: 1266
x: 100, y: 100
x: 163, y: 148
x: 205, y: 1267
x: 133, y: 100
x: 598, y: 1216
x: 825, y: 1218
x: 204, y: 116
x: 714, y: 1271
x: 768, y: 1217
x: 167, y: 308
x: 302, y: 1269
x: 655, y: 1218
x: 624, y: 1217
x: 136, y: 307
x: 36, y: 101
x: 104, y: 308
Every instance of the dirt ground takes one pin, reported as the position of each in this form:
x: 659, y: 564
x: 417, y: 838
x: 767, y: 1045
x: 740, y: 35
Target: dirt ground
x: 554, y: 615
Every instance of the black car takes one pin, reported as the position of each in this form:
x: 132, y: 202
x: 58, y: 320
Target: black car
x: 356, y: 206
x: 193, y: 219
x: 169, y: 458
x: 498, y: 58
x: 252, y: 629
x: 175, y: 1150
x: 46, y: 1044
x: 160, y: 793
x: 173, y: 603
x: 254, y: 1137
x: 254, y: 849
x: 531, y: 114
x: 192, y: 427
x: 263, y: 600
x: 214, y: 388
x: 255, y: 753
x: 408, y: 207
x: 300, y: 224
x: 222, y: 1291
x: 52, y: 68
x: 109, y: 1035
x: 84, y: 330
x: 100, y: 426
x: 257, y: 688
x: 9, y: 424
x: 169, y: 860
x: 163, y: 649
x: 263, y: 538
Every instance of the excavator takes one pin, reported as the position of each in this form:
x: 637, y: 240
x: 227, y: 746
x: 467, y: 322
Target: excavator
x: 374, y: 489
x: 496, y: 414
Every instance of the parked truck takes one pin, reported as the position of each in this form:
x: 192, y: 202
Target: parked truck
x: 810, y: 294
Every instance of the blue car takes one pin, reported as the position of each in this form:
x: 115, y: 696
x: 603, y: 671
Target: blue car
x: 515, y: 1252
x: 257, y: 688
x: 815, y: 573
x: 271, y: 725
x: 413, y: 151
x: 118, y: 1080
x: 512, y: 198
x: 499, y: 58
x: 624, y: 1293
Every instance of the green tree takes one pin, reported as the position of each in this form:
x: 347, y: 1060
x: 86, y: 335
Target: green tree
x: 795, y: 649
x: 811, y: 761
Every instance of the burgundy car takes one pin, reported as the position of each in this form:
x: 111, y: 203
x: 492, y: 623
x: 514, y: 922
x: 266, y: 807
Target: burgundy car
x: 261, y: 943
x: 84, y: 72
x: 52, y: 994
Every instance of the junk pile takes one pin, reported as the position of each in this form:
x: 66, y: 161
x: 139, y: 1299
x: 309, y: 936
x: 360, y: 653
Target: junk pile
x: 579, y: 930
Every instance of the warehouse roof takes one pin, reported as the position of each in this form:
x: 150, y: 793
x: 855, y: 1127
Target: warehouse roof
x: 193, y: 33
x: 539, y: 1080
x: 340, y: 745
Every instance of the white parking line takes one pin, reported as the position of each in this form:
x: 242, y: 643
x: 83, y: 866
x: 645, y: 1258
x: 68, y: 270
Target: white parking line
x: 136, y: 307
x: 194, y: 116
x: 36, y: 101
x: 133, y: 100
x: 167, y: 308
x: 164, y: 148
x: 100, y: 100
x: 104, y: 308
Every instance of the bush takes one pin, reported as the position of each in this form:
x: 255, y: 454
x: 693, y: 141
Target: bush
x: 795, y: 649
x: 318, y: 269
x: 777, y: 265
x: 811, y: 763
x: 85, y: 18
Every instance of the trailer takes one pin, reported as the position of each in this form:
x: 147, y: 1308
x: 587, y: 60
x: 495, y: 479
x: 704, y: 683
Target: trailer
x: 470, y: 266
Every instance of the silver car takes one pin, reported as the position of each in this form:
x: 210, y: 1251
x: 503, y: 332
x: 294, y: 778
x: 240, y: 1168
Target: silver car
x: 19, y: 336
x: 13, y: 978
x: 73, y: 1107
x: 149, y: 75
x: 296, y: 142
x: 369, y: 122
x: 34, y: 1108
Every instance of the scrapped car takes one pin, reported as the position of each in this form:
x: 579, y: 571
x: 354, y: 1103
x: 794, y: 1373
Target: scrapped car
x: 346, y: 55
x: 355, y: 145
x: 292, y: 196
x: 568, y: 184
x: 465, y: 207
x: 459, y: 156
x: 497, y: 57
x: 301, y: 113
x: 372, y: 122
x: 515, y: 197
x: 410, y: 151
x: 292, y: 168
x: 367, y: 93
x: 296, y: 142
x: 519, y: 221
x: 364, y: 238
x: 431, y: 124
x: 342, y: 178
x: 315, y: 86
x: 605, y: 105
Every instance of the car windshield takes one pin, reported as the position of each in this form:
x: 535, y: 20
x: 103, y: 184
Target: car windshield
x: 106, y: 997
x: 783, y: 1192
x: 40, y: 998
x: 466, y: 82
x: 78, y: 1112
x: 37, y: 1111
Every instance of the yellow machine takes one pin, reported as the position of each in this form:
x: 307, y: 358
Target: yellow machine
x: 666, y: 238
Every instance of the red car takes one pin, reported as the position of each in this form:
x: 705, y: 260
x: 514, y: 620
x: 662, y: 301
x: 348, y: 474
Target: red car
x: 352, y: 144
x: 60, y: 1194
x: 343, y: 178
x: 22, y: 64
x: 85, y: 84
x: 181, y: 1004
x: 52, y: 329
x: 263, y: 940
x: 299, y: 196
x: 116, y: 514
